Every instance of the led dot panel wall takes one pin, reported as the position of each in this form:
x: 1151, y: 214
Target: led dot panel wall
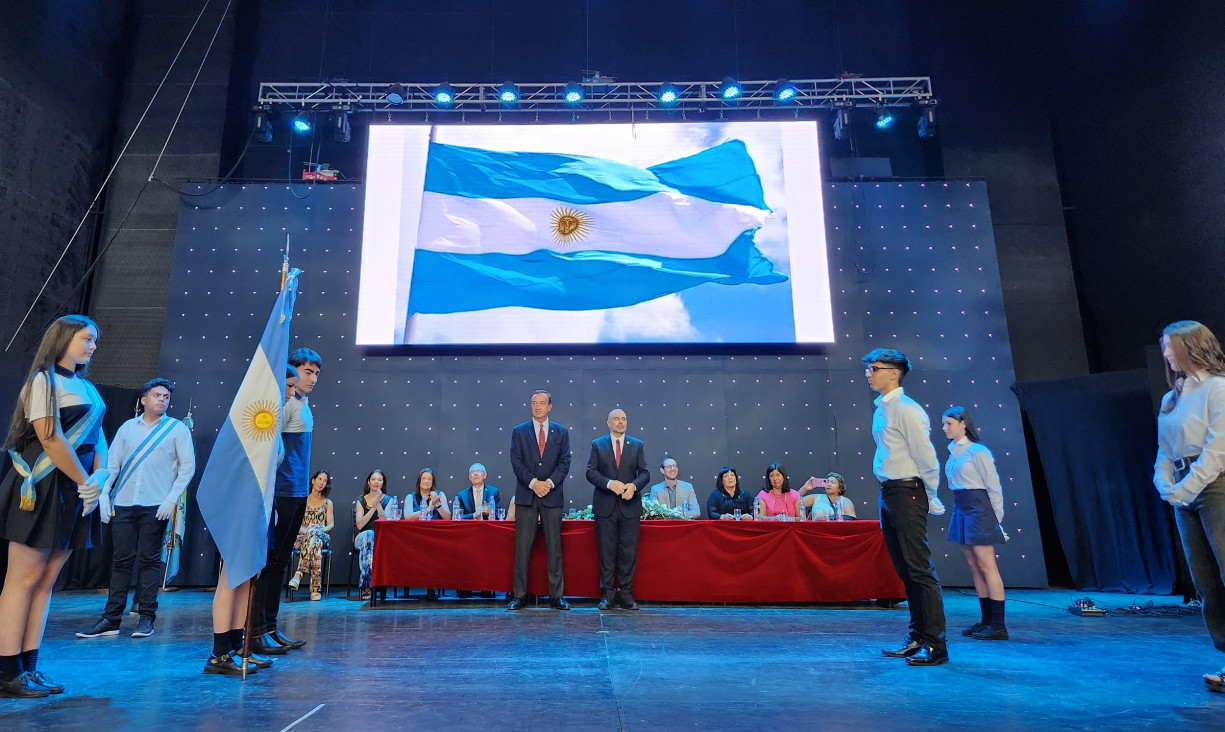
x: 913, y: 266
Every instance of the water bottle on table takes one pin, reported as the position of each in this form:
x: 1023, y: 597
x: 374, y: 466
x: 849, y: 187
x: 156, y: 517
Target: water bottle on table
x: 456, y: 514
x: 756, y: 509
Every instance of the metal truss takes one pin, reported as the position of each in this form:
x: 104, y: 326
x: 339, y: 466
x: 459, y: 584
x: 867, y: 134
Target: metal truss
x: 599, y: 94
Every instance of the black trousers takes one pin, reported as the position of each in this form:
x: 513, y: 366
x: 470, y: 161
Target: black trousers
x: 136, y: 536
x: 281, y: 534
x: 525, y: 535
x: 903, y: 521
x: 616, y: 539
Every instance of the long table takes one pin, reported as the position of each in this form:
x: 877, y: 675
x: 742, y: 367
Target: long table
x: 678, y: 561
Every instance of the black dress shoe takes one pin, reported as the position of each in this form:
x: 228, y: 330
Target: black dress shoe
x: 43, y: 680
x: 265, y: 645
x: 254, y: 659
x: 928, y: 656
x: 991, y: 632
x: 628, y: 602
x: 515, y: 604
x: 23, y: 687
x: 912, y: 647
x: 605, y: 603
x: 559, y: 604
x: 225, y: 665
x: 283, y: 640
x: 970, y: 631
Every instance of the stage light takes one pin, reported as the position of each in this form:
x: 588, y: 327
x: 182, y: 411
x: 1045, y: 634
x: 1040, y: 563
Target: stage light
x: 927, y: 122
x: 340, y: 124
x: 729, y: 90
x: 669, y: 94
x: 785, y: 91
x: 396, y: 94
x: 884, y: 118
x: 842, y: 123
x: 508, y: 93
x: 444, y: 95
x: 263, y: 126
x: 301, y: 122
x: 573, y: 93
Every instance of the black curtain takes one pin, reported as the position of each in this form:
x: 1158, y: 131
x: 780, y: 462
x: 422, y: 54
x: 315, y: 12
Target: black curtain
x: 1097, y: 440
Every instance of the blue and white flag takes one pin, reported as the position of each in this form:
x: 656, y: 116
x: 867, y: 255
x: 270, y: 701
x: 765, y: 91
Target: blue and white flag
x: 236, y: 491
x: 568, y: 232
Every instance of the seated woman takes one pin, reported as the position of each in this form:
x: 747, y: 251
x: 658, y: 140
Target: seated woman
x: 371, y: 506
x: 821, y: 506
x: 313, y: 536
x: 778, y: 500
x: 425, y: 502
x: 727, y: 497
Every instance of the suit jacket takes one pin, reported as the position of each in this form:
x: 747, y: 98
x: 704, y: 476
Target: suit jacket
x: 528, y: 464
x: 602, y: 467
x: 491, y: 494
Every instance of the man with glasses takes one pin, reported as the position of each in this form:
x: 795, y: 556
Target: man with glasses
x: 909, y: 474
x: 673, y: 492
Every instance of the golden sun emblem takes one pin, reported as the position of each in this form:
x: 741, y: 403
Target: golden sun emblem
x: 259, y: 420
x: 570, y: 226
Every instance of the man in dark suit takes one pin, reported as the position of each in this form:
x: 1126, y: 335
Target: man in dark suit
x: 618, y: 470
x: 540, y: 459
x: 475, y: 499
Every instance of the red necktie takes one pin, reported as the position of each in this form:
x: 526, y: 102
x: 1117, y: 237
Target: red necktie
x: 541, y: 440
x: 617, y: 449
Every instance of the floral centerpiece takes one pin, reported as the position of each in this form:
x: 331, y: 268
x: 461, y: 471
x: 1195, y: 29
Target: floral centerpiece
x: 580, y: 514
x: 653, y: 509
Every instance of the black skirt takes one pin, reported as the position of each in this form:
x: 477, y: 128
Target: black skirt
x: 973, y: 522
x: 56, y: 521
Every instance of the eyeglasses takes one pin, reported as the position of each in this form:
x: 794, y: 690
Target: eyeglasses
x: 873, y: 369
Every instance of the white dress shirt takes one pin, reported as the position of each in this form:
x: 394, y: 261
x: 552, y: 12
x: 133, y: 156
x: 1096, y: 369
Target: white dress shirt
x: 163, y: 474
x: 972, y: 467
x: 903, y: 442
x: 1195, y: 426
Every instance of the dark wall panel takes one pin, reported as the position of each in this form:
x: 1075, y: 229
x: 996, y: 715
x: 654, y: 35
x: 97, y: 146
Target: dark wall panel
x: 912, y: 265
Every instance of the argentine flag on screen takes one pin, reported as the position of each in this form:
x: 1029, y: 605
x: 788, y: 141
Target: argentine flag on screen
x: 236, y: 490
x: 569, y: 232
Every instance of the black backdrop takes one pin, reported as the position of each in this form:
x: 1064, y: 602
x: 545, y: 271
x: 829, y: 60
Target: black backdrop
x: 1097, y: 439
x: 912, y: 266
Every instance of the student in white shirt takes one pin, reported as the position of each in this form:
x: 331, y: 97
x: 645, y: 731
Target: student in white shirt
x: 978, y: 509
x: 1190, y: 461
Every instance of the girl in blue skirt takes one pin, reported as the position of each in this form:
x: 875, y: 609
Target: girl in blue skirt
x: 978, y: 509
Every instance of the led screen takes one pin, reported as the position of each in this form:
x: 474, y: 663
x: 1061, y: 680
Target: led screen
x: 701, y: 233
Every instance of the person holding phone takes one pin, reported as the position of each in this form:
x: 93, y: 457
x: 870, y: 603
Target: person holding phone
x: 832, y: 502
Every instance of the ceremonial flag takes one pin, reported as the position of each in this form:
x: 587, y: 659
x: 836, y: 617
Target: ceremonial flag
x: 570, y: 232
x: 236, y: 490
x: 172, y: 540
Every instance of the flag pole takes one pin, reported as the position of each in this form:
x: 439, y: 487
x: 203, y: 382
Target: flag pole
x: 285, y: 264
x: 246, y: 630
x: 166, y: 565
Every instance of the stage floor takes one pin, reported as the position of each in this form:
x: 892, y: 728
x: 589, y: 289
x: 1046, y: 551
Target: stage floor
x: 458, y: 664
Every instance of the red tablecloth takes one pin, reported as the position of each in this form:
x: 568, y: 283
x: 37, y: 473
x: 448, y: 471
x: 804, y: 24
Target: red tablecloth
x: 678, y: 561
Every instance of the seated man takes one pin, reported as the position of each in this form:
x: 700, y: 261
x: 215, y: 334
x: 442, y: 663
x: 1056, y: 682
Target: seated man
x: 475, y: 499
x: 474, y: 504
x: 674, y: 493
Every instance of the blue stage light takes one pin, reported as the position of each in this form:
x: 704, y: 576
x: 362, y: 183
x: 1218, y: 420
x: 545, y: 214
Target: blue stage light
x: 396, y: 94
x: 444, y: 95
x: 508, y: 93
x: 884, y: 118
x: 301, y: 122
x: 573, y: 94
x: 669, y: 94
x: 729, y: 89
x: 785, y: 91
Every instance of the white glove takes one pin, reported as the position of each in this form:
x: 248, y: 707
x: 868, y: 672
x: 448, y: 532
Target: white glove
x: 167, y: 508
x: 105, y: 510
x: 91, y: 489
x: 934, y: 506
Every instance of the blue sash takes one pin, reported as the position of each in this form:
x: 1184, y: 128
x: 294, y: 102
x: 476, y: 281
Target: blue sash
x: 142, y: 451
x: 76, y: 437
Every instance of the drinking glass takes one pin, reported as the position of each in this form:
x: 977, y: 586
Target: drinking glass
x: 737, y: 514
x: 501, y: 514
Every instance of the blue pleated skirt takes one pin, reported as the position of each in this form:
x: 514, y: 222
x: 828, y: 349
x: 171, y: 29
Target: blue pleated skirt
x: 973, y: 522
